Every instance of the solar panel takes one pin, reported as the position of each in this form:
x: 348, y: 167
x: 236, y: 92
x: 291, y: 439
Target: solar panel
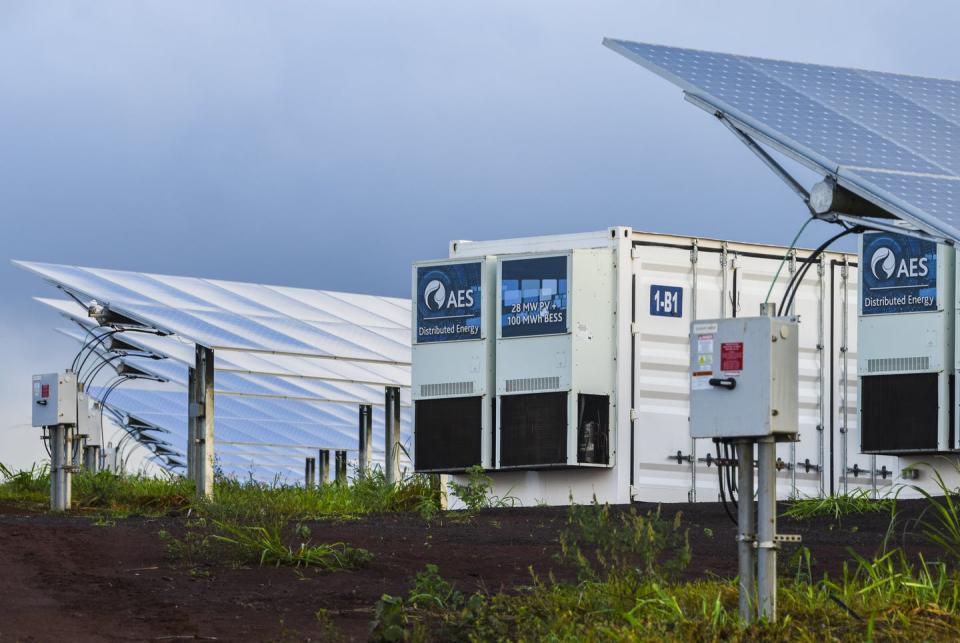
x: 248, y: 317
x: 369, y: 378
x: 892, y: 139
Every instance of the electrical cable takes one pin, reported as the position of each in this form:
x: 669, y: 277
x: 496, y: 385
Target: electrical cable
x: 798, y: 276
x: 94, y: 341
x: 95, y: 370
x: 723, y: 497
x: 731, y: 484
x: 793, y: 243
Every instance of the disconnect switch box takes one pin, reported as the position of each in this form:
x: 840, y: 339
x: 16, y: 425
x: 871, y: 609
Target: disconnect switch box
x: 744, y: 377
x: 55, y: 399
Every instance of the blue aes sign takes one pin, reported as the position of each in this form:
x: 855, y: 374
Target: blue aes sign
x: 448, y: 302
x: 534, y: 296
x: 666, y: 301
x: 898, y: 274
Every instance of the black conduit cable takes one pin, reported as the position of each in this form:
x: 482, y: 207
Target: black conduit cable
x: 731, y: 476
x: 95, y: 370
x: 91, y: 346
x: 798, y: 276
x: 723, y: 497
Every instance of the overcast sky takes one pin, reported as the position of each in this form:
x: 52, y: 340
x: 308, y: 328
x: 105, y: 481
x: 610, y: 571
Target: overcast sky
x: 329, y: 144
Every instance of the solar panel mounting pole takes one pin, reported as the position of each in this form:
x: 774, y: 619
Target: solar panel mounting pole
x: 192, y: 415
x: 204, y: 442
x: 391, y: 446
x: 365, y: 439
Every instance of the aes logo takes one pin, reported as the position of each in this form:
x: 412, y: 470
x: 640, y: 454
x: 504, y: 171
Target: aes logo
x: 438, y: 295
x: 884, y: 265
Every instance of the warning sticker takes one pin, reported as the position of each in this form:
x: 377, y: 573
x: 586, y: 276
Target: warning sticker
x: 700, y: 380
x: 731, y: 358
x: 705, y: 344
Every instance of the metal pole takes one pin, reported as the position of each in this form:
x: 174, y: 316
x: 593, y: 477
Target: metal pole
x: 365, y: 439
x: 821, y: 390
x: 694, y: 257
x: 793, y: 444
x: 391, y: 433
x: 843, y: 385
x: 324, y: 466
x: 91, y: 458
x: 55, y: 440
x: 767, y: 528
x: 340, y: 472
x: 309, y: 472
x: 205, y: 446
x: 193, y: 414
x: 746, y: 538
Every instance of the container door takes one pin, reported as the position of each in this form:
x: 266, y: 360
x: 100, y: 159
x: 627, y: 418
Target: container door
x: 672, y: 286
x: 798, y: 462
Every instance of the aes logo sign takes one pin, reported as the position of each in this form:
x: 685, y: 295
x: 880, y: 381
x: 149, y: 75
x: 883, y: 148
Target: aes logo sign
x: 898, y: 274
x: 448, y: 302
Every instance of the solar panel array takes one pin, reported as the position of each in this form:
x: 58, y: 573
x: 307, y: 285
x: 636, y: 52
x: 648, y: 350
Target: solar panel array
x: 892, y: 139
x: 292, y: 365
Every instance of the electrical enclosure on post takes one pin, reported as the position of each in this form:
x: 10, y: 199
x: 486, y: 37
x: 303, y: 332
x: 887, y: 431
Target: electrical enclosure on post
x: 743, y: 377
x: 54, y: 399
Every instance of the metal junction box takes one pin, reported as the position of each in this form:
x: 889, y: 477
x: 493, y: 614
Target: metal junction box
x: 55, y: 399
x: 556, y: 359
x: 744, y: 377
x: 452, y: 373
x: 906, y: 344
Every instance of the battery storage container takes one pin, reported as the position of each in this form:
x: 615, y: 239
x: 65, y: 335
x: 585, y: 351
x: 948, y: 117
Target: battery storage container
x: 624, y: 344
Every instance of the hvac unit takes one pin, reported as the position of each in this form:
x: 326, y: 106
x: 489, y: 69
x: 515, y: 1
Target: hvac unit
x: 906, y: 339
x: 452, y: 364
x: 556, y: 359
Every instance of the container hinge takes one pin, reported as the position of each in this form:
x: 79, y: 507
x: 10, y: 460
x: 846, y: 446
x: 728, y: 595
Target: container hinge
x: 635, y: 252
x: 634, y: 328
x: 634, y: 416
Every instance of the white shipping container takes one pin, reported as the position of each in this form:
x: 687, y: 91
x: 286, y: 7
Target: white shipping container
x: 663, y: 282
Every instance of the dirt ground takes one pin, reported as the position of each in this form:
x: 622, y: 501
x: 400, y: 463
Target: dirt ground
x: 65, y: 578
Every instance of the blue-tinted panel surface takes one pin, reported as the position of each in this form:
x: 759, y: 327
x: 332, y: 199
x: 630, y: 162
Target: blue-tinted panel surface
x: 896, y: 138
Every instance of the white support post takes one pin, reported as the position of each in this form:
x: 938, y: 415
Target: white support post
x: 204, y: 422
x: 746, y: 538
x: 365, y: 439
x: 767, y: 528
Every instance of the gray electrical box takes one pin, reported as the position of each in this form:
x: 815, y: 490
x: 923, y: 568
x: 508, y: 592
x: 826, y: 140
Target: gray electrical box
x: 55, y: 399
x: 744, y: 377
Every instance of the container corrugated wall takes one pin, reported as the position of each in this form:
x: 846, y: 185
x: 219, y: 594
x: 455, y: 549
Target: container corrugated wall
x: 722, y: 279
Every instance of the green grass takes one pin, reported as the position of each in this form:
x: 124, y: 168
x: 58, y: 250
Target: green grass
x: 628, y: 590
x: 837, y: 507
x: 235, y: 502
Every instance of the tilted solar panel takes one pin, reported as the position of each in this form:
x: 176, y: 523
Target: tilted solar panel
x: 892, y: 139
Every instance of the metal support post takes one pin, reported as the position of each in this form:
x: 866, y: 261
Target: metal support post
x: 391, y: 447
x: 365, y: 439
x: 844, y: 388
x: 91, y: 458
x: 193, y: 415
x: 324, y: 466
x: 340, y: 472
x: 746, y: 539
x: 309, y: 473
x: 694, y: 258
x: 767, y: 528
x: 204, y: 426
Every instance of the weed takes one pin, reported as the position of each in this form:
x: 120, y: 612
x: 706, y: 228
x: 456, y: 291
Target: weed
x: 476, y: 493
x: 857, y: 501
x: 265, y: 546
x: 625, y: 544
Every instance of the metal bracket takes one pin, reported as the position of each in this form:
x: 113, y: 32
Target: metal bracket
x: 679, y: 457
x: 787, y: 538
